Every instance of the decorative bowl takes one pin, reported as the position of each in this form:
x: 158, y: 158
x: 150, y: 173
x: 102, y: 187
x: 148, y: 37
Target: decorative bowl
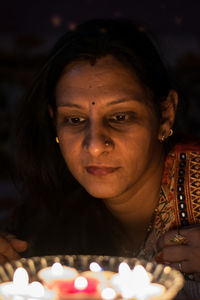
x: 168, y: 277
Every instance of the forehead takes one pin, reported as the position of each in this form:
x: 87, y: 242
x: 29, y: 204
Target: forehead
x: 107, y: 77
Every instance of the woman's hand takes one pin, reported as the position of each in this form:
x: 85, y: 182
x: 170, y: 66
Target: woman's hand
x: 10, y: 247
x: 181, y: 253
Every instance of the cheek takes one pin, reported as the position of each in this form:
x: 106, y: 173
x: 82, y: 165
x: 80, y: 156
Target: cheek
x: 140, y: 138
x: 139, y: 146
x: 69, y: 149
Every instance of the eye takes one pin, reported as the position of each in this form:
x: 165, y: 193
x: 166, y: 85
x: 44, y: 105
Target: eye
x: 119, y: 118
x: 74, y: 121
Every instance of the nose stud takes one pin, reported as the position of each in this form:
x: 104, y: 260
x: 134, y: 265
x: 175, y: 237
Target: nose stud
x: 98, y: 146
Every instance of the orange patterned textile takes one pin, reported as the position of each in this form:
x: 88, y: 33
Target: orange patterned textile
x: 179, y: 203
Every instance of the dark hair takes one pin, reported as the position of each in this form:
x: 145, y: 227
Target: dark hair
x: 39, y: 161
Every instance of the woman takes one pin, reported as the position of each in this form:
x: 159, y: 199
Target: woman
x: 100, y: 171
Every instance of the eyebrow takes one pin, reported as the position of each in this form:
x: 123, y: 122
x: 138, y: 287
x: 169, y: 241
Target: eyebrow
x: 70, y: 105
x: 108, y: 104
x: 124, y: 100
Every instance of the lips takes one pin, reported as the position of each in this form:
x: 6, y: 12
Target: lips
x: 100, y: 171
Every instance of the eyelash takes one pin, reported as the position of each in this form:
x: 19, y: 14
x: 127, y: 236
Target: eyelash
x: 67, y: 121
x: 126, y: 117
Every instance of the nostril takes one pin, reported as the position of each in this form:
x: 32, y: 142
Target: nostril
x: 96, y: 146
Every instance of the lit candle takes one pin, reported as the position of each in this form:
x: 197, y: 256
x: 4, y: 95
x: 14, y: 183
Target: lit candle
x: 136, y: 283
x: 81, y: 288
x: 104, y: 277
x: 95, y: 267
x: 20, y: 289
x: 97, y: 272
x: 18, y: 286
x: 56, y: 272
x: 80, y: 283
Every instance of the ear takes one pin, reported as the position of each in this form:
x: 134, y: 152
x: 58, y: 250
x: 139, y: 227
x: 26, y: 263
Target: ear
x: 51, y: 112
x: 168, y: 113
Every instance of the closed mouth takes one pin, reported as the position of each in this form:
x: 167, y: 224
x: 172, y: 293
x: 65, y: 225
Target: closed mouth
x: 100, y: 170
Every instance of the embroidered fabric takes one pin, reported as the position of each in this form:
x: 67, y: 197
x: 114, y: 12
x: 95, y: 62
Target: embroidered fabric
x: 179, y: 203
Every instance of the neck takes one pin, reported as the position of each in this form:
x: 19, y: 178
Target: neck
x: 135, y: 207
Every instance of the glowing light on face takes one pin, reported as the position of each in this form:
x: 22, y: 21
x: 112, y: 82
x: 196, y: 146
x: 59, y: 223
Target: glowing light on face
x: 120, y: 115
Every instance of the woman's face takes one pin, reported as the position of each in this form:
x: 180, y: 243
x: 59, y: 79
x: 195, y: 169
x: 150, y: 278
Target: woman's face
x: 108, y: 135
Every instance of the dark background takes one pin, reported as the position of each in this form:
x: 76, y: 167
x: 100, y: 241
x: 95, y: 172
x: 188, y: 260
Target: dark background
x: 28, y: 29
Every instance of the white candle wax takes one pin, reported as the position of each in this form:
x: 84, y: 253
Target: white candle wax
x: 8, y: 292
x: 57, y: 272
x: 108, y: 293
x: 17, y: 287
x: 20, y: 289
x: 136, y: 283
x: 37, y: 291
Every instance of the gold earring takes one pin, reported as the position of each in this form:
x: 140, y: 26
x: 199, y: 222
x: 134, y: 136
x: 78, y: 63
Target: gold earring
x: 57, y: 140
x: 171, y: 132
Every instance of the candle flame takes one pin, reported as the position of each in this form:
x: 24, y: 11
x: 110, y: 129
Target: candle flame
x: 95, y: 267
x: 108, y: 294
x: 57, y: 269
x: 124, y: 269
x: 132, y: 283
x: 20, y: 278
x: 80, y: 283
x: 140, y: 275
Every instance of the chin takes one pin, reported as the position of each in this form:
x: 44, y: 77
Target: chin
x: 101, y: 192
x: 102, y: 188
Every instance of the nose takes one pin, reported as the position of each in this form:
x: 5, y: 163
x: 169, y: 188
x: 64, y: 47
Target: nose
x: 97, y: 142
